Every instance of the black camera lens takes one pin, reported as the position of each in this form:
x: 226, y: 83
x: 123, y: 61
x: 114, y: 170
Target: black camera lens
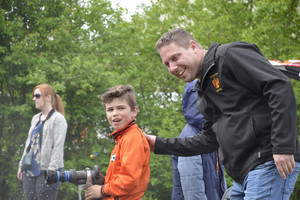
x: 72, y: 176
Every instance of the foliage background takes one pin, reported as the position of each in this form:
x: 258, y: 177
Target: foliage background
x: 83, y: 47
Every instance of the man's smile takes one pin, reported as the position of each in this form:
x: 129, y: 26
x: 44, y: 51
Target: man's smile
x: 180, y: 73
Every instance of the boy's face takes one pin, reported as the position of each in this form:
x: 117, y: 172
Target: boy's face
x: 119, y: 113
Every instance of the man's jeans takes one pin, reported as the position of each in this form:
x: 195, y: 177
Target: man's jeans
x: 36, y: 188
x: 265, y: 183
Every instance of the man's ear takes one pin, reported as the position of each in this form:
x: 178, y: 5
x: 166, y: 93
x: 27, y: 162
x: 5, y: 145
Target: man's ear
x: 194, y: 47
x: 192, y: 44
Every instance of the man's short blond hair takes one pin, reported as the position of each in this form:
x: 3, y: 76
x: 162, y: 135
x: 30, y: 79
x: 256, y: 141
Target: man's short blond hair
x: 179, y: 36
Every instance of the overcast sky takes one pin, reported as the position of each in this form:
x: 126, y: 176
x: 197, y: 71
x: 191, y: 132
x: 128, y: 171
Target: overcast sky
x: 131, y: 5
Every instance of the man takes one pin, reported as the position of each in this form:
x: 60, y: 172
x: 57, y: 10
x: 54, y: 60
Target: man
x: 249, y: 111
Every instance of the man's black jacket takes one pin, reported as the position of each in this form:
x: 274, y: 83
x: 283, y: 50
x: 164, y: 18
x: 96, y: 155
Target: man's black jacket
x: 249, y: 108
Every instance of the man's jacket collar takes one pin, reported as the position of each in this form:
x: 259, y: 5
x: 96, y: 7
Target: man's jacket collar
x: 208, y: 62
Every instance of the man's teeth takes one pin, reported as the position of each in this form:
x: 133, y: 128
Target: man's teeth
x: 181, y: 73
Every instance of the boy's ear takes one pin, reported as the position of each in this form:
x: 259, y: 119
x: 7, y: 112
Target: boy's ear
x: 135, y: 111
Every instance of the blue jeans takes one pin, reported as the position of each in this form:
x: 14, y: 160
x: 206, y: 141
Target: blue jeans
x: 36, y: 188
x: 265, y: 183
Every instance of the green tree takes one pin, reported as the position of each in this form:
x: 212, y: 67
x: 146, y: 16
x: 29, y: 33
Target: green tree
x: 272, y: 25
x: 84, y: 48
x: 36, y: 38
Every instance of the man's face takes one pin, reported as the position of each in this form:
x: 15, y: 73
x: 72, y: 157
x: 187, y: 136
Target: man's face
x: 182, y: 63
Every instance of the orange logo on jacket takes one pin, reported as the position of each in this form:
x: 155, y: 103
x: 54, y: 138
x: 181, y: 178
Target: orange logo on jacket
x: 216, y: 82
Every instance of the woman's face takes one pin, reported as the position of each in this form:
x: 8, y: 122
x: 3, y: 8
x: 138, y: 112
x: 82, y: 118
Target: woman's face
x: 38, y: 99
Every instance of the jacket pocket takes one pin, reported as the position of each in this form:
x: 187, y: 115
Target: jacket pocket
x: 238, y: 142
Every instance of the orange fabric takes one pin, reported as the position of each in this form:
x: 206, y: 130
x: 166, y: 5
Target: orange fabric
x: 128, y: 172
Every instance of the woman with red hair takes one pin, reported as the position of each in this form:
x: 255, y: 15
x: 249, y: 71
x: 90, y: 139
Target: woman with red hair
x: 46, y: 138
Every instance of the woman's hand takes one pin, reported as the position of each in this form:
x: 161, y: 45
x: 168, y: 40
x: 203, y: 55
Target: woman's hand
x: 20, y: 175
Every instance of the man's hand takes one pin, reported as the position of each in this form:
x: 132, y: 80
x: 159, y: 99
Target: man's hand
x: 151, y: 140
x: 285, y: 164
x: 93, y: 192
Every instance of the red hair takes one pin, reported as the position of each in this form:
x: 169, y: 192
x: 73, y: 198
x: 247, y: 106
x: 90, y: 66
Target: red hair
x: 56, y: 101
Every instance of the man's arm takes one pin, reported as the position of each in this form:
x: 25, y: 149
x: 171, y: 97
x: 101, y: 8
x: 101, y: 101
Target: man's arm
x: 203, y: 142
x: 277, y: 89
x: 250, y: 66
x: 198, y: 144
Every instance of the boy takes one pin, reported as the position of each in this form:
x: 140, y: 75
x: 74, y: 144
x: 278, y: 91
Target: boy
x: 128, y: 172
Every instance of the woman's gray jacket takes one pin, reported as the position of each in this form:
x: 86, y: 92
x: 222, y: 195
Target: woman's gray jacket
x: 53, y: 138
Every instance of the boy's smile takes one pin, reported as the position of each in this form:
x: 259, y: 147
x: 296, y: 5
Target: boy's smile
x: 119, y: 113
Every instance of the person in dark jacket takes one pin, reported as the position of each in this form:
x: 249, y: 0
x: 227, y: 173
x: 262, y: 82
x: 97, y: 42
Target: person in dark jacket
x: 196, y: 177
x: 249, y: 110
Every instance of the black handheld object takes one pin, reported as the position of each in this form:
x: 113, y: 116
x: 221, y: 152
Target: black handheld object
x: 72, y: 176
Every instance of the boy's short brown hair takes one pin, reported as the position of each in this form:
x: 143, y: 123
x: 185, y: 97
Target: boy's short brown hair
x: 120, y: 91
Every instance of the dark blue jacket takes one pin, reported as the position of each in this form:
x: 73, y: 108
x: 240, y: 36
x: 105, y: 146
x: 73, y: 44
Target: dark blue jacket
x: 196, y: 177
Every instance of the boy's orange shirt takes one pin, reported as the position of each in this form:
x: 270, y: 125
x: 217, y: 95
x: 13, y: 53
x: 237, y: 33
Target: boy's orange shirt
x: 128, y: 171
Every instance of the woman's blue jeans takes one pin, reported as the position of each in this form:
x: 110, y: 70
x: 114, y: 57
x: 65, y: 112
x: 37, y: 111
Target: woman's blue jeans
x: 265, y: 183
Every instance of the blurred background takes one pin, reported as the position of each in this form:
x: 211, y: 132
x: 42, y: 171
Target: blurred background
x: 84, y: 47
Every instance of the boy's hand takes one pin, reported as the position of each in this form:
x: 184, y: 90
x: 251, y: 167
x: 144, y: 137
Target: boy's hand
x: 101, y: 179
x: 151, y: 140
x: 93, y: 192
